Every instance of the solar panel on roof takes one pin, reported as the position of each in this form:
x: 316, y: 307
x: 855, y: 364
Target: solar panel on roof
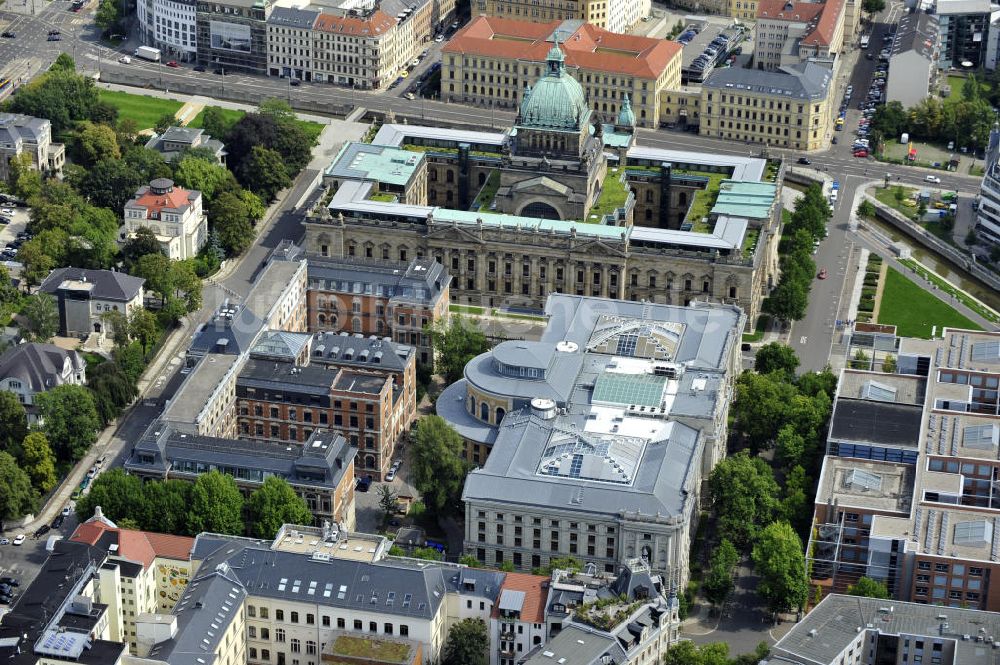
x: 981, y: 437
x: 863, y: 479
x: 975, y: 533
x: 988, y: 352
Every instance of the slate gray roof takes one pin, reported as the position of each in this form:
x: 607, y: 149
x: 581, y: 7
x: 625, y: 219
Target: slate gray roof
x: 916, y: 32
x: 708, y: 328
x: 660, y: 486
x: 450, y: 405
x: 108, y: 284
x: 38, y: 366
x: 211, y: 598
x: 561, y: 371
x: 837, y: 618
x: 420, y: 280
x: 261, y: 571
x: 870, y: 421
x: 325, y: 453
x: 24, y: 127
x: 576, y: 646
x: 232, y: 336
x: 280, y: 345
x: 270, y: 374
x: 803, y: 81
x: 958, y: 7
x: 292, y: 17
x: 348, y: 350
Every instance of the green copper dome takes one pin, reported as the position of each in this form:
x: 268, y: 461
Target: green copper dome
x: 626, y: 117
x: 557, y: 100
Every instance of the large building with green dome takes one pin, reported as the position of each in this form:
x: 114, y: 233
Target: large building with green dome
x: 563, y: 201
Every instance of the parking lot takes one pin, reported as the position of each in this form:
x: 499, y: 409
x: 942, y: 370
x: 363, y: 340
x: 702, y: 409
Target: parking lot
x: 865, y: 94
x: 13, y: 221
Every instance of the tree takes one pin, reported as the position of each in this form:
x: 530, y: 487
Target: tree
x: 438, y: 470
x: 558, y: 563
x: 71, y: 420
x: 23, y: 177
x: 231, y: 221
x: 39, y: 462
x: 468, y: 643
x: 776, y: 357
x: 213, y: 121
x: 107, y: 15
x: 166, y: 121
x: 158, y: 272
x: 283, y: 135
x: 62, y: 96
x: 788, y: 301
x: 790, y: 447
x: 866, y: 209
x: 96, y: 142
x: 166, y: 506
x: 42, y: 317
x: 719, y: 580
x: 387, y: 501
x: 13, y: 423
x: 275, y: 108
x: 272, y: 504
x: 116, y: 323
x: 796, y: 507
x: 744, y: 494
x: 63, y: 63
x: 687, y: 653
x: 889, y: 364
x: 110, y: 183
x: 142, y: 242
x: 208, y: 177
x: 119, y: 495
x: 36, y: 262
x: 265, y: 173
x: 455, y: 343
x: 761, y: 407
x: 868, y: 588
x: 778, y: 558
x: 17, y: 496
x: 216, y: 505
x: 143, y: 327
x: 873, y: 6
x: 131, y: 359
x: 813, y: 383
x: 112, y: 389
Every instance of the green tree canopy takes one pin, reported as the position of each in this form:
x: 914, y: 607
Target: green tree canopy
x: 166, y: 506
x: 42, y: 317
x: 39, y: 462
x: 719, y: 579
x: 232, y: 222
x: 468, y: 643
x: 207, y: 176
x: 61, y: 95
x: 107, y: 15
x: 213, y: 121
x: 63, y: 62
x: 760, y: 407
x: 744, y: 494
x: 17, y: 496
x: 687, y: 653
x: 437, y: 470
x: 95, y: 143
x: 275, y: 503
x: 71, y: 420
x: 455, y: 343
x: 873, y: 6
x: 113, y: 390
x: 776, y: 357
x: 264, y: 173
x: 216, y: 505
x: 779, y: 560
x: 13, y: 423
x: 869, y: 588
x: 119, y: 495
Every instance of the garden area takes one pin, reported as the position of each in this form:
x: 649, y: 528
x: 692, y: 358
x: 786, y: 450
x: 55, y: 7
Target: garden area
x: 614, y: 193
x: 914, y: 311
x: 869, y: 290
x: 146, y: 111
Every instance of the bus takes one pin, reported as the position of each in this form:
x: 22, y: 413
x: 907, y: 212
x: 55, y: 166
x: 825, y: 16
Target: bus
x: 865, y: 39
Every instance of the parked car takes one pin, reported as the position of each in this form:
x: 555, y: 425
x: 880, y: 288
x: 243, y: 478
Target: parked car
x: 4, y: 541
x: 54, y: 38
x: 10, y: 581
x: 19, y: 539
x: 42, y: 530
x: 6, y: 211
x: 822, y: 274
x: 66, y: 510
x: 172, y: 63
x: 804, y: 160
x: 58, y: 521
x: 861, y: 153
x: 199, y: 68
x: 9, y: 34
x: 125, y: 60
x: 391, y: 476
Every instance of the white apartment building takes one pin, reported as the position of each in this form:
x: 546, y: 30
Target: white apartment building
x: 289, y: 42
x: 173, y: 214
x: 24, y: 134
x: 365, y: 51
x: 169, y: 25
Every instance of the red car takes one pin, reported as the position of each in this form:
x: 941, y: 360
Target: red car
x: 860, y: 153
x: 172, y: 63
x: 822, y: 274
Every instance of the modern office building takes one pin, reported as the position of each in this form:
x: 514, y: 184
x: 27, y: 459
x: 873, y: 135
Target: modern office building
x: 545, y: 208
x: 232, y: 35
x: 905, y: 496
x: 171, y: 26
x: 174, y: 215
x: 22, y: 134
x: 913, y: 62
x: 599, y: 436
x: 964, y: 28
x: 848, y: 629
x: 29, y: 369
x: 496, y: 61
x: 988, y: 207
x: 84, y: 296
x: 788, y: 108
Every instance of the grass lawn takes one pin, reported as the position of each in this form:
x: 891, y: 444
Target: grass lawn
x: 763, y: 321
x: 957, y: 82
x: 145, y: 110
x: 231, y: 116
x: 973, y: 304
x: 613, y: 195
x: 385, y: 197
x: 466, y: 309
x: 488, y: 191
x: 915, y: 311
x: 888, y: 197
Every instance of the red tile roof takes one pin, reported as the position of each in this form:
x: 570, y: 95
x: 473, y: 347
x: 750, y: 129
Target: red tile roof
x: 822, y: 17
x: 139, y: 546
x: 589, y: 47
x: 372, y: 26
x: 175, y: 200
x: 536, y: 593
